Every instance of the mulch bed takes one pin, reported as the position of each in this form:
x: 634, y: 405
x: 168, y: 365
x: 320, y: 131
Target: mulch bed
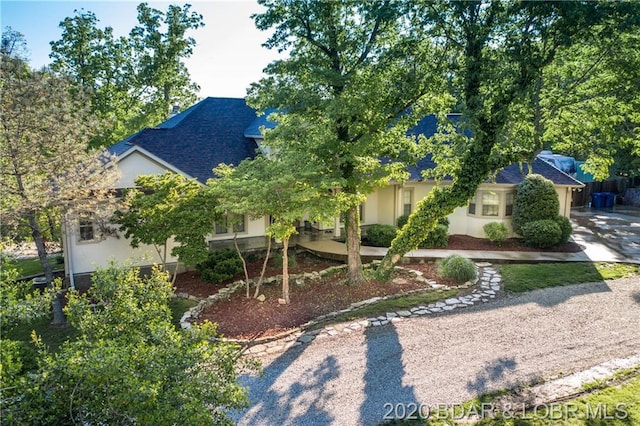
x: 464, y: 242
x: 242, y: 318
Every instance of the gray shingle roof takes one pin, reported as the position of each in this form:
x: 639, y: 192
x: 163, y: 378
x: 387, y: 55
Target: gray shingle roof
x: 198, y: 139
x: 222, y: 130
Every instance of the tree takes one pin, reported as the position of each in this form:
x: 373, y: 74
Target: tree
x: 130, y: 365
x: 133, y: 80
x: 164, y: 207
x: 270, y: 187
x: 18, y: 304
x: 351, y: 87
x: 590, y: 101
x: 44, y: 164
x: 498, y: 52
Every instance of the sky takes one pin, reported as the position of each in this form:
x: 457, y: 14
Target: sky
x: 227, y: 58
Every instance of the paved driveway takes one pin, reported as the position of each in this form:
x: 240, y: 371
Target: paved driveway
x: 614, y: 231
x: 356, y: 379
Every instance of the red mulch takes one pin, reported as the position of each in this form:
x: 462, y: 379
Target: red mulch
x: 464, y: 242
x: 244, y: 318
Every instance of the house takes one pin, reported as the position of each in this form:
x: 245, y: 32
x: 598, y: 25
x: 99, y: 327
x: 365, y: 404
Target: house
x: 225, y: 130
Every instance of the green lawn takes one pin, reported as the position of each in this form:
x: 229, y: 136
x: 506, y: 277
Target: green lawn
x: 54, y: 336
x: 524, y: 277
x: 617, y: 404
x: 395, y: 304
x: 32, y: 266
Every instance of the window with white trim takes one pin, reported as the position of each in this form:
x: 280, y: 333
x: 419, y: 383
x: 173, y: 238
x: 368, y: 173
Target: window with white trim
x: 231, y: 224
x: 490, y: 203
x: 472, y: 205
x: 86, y: 227
x: 509, y: 204
x: 407, y: 201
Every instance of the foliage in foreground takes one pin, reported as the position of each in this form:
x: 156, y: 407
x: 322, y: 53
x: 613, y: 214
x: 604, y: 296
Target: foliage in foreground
x: 525, y: 277
x: 130, y: 365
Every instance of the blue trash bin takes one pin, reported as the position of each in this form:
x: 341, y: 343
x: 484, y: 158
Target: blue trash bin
x: 598, y: 200
x: 610, y: 200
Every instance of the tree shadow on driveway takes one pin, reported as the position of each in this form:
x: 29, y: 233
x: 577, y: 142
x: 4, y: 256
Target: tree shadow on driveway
x: 385, y: 397
x: 494, y: 372
x: 300, y: 403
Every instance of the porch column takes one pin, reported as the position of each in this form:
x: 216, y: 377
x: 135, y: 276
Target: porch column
x: 336, y: 227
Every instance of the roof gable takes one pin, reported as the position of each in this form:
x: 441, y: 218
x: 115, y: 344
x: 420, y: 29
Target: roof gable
x: 198, y: 139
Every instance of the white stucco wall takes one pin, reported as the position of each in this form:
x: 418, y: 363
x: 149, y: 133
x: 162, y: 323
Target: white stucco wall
x: 390, y: 206
x: 136, y: 164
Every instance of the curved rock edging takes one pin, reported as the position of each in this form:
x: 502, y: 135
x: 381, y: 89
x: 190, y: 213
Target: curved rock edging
x: 490, y: 284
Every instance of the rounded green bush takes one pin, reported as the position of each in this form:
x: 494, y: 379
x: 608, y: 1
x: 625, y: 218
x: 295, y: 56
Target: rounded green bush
x: 497, y: 232
x: 457, y: 268
x: 535, y: 199
x: 220, y: 265
x: 438, y: 237
x: 402, y: 220
x: 542, y: 233
x: 381, y: 235
x: 565, y: 227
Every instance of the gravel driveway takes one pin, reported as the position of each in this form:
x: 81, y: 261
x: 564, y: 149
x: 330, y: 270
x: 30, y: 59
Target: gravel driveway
x: 446, y: 359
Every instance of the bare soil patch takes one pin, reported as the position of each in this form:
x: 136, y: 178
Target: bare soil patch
x: 464, y: 242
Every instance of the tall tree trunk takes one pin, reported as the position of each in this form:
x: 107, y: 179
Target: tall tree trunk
x: 36, y: 234
x: 285, y: 269
x: 354, y: 262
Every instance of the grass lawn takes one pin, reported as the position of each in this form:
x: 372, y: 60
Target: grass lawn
x: 396, y: 304
x: 54, y: 336
x: 524, y: 277
x: 617, y: 404
x: 27, y: 267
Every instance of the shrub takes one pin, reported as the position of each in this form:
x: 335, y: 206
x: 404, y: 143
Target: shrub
x: 438, y: 237
x: 535, y: 199
x: 402, y: 220
x: 220, y: 265
x: 542, y: 233
x: 565, y: 228
x: 457, y: 268
x: 381, y: 235
x: 497, y: 232
x: 291, y: 259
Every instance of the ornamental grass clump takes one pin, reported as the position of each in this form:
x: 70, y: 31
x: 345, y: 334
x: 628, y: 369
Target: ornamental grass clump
x: 457, y: 268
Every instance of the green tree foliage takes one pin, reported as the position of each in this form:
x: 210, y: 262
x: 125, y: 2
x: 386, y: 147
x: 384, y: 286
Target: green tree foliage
x: 590, y: 100
x: 18, y: 303
x: 165, y: 208
x: 130, y: 365
x: 354, y: 82
x: 535, y: 199
x: 497, y: 52
x: 134, y: 81
x: 45, y: 167
x: 277, y: 187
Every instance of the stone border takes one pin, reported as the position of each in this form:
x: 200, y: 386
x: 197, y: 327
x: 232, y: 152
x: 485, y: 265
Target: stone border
x: 490, y: 284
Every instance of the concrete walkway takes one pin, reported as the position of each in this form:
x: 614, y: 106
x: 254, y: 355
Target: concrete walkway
x: 608, y: 236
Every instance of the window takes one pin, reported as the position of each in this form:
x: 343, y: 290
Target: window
x: 238, y: 222
x: 407, y: 201
x: 86, y: 227
x: 490, y: 204
x: 509, y: 206
x: 472, y: 205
